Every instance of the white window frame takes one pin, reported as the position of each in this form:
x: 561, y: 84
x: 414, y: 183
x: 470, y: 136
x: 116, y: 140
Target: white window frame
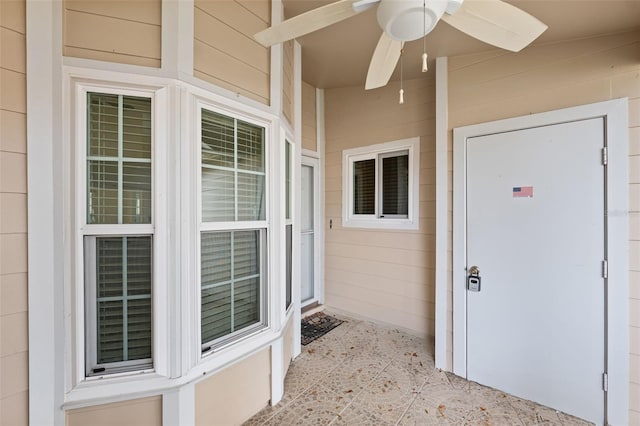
x: 212, y: 347
x: 377, y: 152
x: 156, y: 229
x: 289, y: 215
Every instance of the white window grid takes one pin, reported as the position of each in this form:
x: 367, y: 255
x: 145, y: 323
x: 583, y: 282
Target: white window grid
x: 86, y: 356
x: 211, y: 347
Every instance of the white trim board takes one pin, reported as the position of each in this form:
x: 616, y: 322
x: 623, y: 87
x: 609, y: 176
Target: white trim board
x: 442, y: 213
x: 615, y: 114
x: 46, y: 167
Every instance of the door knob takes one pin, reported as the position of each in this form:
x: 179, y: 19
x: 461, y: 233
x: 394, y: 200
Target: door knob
x: 474, y: 270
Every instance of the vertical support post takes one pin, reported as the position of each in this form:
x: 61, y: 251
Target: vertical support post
x: 442, y: 236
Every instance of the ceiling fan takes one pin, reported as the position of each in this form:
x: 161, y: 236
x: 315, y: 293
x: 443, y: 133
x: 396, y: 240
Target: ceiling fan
x: 492, y: 21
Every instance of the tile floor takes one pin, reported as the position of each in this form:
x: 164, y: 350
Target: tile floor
x: 365, y: 374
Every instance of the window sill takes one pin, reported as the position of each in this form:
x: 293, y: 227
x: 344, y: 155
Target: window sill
x: 398, y: 224
x: 114, y: 388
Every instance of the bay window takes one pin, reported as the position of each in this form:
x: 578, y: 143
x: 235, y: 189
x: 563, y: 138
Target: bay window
x: 144, y: 206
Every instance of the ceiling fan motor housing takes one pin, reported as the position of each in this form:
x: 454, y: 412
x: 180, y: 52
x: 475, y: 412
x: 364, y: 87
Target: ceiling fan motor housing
x: 406, y: 20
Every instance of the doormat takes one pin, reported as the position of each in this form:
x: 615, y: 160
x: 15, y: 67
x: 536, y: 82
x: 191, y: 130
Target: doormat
x: 317, y: 325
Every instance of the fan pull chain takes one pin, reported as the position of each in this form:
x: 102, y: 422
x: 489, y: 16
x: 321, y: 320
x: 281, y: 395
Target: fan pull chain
x: 424, y: 38
x: 401, y: 72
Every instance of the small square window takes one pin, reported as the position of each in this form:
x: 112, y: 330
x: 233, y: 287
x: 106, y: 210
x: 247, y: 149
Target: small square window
x: 380, y: 185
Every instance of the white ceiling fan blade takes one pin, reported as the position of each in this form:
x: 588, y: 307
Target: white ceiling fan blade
x: 383, y: 62
x: 497, y: 23
x: 311, y: 21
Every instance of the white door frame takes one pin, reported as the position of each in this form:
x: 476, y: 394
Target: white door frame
x: 310, y: 159
x: 615, y: 115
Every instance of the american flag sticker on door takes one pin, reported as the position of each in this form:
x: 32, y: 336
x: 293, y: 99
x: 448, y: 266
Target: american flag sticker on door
x: 523, y: 192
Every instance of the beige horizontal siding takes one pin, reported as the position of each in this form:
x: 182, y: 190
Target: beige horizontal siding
x: 499, y: 85
x: 115, y: 31
x: 14, y: 328
x: 143, y: 11
x: 225, y: 52
x: 309, y: 123
x: 386, y: 275
x: 139, y: 412
x: 236, y: 393
x: 260, y: 8
x: 12, y: 15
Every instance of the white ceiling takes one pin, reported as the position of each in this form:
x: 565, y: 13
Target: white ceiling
x: 339, y: 55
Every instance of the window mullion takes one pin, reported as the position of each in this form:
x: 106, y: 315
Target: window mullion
x: 233, y: 279
x: 120, y: 154
x: 377, y: 196
x: 125, y: 314
x: 235, y: 168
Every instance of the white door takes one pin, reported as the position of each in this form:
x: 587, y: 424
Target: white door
x: 308, y: 224
x: 535, y: 230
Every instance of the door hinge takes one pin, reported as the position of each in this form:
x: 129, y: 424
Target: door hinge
x: 605, y: 269
x: 605, y: 156
x: 605, y: 382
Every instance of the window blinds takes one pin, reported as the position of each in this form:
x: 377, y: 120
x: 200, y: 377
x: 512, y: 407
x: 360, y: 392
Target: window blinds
x: 118, y: 267
x: 288, y: 265
x: 232, y: 169
x: 364, y: 186
x: 123, y: 284
x: 233, y: 190
x: 230, y: 282
x: 118, y: 159
x: 394, y: 180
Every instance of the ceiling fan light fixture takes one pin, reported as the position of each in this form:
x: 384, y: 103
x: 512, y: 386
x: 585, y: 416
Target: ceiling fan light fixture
x: 407, y: 20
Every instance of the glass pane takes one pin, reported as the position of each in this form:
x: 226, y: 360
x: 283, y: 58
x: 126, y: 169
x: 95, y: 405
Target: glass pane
x: 119, y: 128
x: 216, y: 312
x: 364, y: 187
x: 102, y: 128
x: 307, y: 256
x: 136, y: 127
x: 139, y: 266
x: 250, y: 197
x: 110, y: 331
x: 288, y: 239
x: 230, y: 272
x: 250, y: 143
x: 307, y: 198
x: 245, y: 303
x: 218, y: 198
x: 139, y: 328
x: 287, y: 184
x: 395, y: 185
x: 102, y: 192
x: 245, y: 254
x: 109, y: 266
x: 124, y: 302
x: 217, y: 140
x: 215, y: 253
x: 136, y: 192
